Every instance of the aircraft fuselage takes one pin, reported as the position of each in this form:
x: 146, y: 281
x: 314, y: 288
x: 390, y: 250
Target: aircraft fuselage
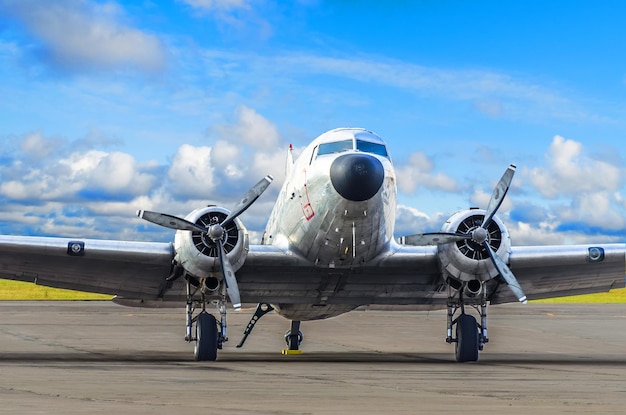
x: 337, y: 205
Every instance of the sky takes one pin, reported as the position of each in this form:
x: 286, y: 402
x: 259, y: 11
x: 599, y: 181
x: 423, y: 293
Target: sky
x: 112, y: 106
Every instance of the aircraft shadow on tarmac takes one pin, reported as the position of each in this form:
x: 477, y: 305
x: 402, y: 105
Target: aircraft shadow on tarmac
x: 132, y: 356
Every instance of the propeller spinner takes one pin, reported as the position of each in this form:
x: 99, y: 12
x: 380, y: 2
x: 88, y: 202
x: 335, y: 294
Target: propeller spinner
x: 215, y: 232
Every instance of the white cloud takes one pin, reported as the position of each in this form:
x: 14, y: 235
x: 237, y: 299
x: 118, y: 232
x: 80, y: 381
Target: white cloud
x: 191, y: 172
x: 418, y: 171
x: 543, y: 233
x: 569, y: 171
x: 79, y: 34
x: 225, y: 157
x: 584, y: 198
x: 410, y: 220
x: 250, y: 128
x: 595, y: 209
x: 272, y: 161
x: 36, y: 146
x: 480, y: 199
x: 249, y: 147
x: 64, y: 178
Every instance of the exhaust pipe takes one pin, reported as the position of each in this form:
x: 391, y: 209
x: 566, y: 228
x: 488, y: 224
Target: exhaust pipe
x: 473, y: 288
x: 210, y: 284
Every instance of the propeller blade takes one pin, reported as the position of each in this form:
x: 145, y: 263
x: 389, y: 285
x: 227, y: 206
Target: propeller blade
x: 229, y: 276
x: 506, y: 273
x: 169, y: 221
x: 497, y: 197
x: 249, y: 198
x: 433, y: 238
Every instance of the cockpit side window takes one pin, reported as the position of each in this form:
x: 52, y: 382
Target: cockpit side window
x: 336, y: 147
x: 374, y: 148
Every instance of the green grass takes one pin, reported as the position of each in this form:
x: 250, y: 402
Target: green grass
x: 19, y: 291
x: 614, y: 296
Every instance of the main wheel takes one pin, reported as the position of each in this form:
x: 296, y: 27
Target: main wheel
x: 466, y: 339
x: 206, y: 337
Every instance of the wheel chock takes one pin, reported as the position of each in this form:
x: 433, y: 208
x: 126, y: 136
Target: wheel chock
x: 291, y: 352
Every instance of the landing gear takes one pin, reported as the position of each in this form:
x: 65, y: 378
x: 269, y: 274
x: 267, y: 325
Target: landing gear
x: 293, y: 338
x: 209, y: 335
x: 470, y: 337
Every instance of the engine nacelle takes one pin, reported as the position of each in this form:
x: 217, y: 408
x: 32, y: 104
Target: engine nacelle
x: 468, y: 260
x: 198, y: 254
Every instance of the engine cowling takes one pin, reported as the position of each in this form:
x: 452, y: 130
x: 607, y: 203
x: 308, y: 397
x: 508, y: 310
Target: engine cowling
x: 468, y: 260
x: 198, y: 254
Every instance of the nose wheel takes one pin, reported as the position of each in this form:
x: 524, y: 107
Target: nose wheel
x: 294, y: 338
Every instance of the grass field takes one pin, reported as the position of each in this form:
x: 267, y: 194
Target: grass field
x: 16, y: 290
x: 614, y: 296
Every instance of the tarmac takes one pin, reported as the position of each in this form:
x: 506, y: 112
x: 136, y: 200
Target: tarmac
x: 98, y: 357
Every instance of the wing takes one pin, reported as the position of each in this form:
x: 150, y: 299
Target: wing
x: 409, y: 275
x: 130, y: 269
x: 561, y: 270
x: 406, y: 275
x: 412, y: 276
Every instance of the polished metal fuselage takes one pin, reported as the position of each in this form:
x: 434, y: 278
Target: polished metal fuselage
x: 313, y: 220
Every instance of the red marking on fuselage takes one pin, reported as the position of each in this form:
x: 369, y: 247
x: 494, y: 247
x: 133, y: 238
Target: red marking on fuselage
x: 307, y: 208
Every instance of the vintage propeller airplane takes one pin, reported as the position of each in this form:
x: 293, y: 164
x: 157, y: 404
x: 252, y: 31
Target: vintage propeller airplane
x: 328, y: 248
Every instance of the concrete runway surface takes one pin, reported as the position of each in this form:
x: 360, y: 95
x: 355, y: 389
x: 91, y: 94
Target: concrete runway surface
x: 97, y: 357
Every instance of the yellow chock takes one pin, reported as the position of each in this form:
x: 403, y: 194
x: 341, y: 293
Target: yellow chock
x: 291, y: 352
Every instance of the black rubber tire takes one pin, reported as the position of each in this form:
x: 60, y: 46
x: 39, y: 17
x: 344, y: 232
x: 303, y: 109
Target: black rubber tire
x: 466, y: 349
x: 206, y: 338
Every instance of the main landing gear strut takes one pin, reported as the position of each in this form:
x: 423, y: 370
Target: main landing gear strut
x: 469, y: 336
x: 209, y: 334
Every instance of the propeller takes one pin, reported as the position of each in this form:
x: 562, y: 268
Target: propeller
x: 215, y: 232
x: 480, y: 235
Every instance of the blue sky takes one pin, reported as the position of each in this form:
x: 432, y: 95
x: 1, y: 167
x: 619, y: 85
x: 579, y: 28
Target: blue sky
x: 112, y: 106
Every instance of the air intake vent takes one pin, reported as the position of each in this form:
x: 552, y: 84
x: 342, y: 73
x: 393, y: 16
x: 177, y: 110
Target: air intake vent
x: 473, y: 250
x: 204, y: 244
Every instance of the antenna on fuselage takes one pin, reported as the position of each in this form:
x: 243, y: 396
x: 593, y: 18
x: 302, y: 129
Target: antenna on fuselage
x: 289, y: 162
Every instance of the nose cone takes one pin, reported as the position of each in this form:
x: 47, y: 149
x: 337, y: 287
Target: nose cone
x: 357, y: 177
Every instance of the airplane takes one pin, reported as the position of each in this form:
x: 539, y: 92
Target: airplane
x: 328, y: 248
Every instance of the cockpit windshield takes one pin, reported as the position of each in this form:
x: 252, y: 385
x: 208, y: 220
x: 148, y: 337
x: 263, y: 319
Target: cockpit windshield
x: 347, y: 145
x: 336, y: 147
x: 369, y: 147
